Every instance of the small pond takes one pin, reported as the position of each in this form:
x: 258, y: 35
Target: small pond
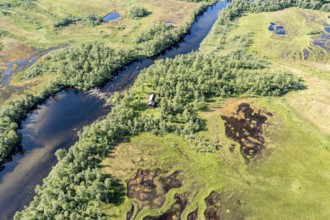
x: 327, y: 29
x: 111, y: 17
x: 277, y: 29
x: 322, y: 41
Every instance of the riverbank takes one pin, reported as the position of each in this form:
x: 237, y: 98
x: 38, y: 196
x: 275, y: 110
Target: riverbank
x: 15, y: 111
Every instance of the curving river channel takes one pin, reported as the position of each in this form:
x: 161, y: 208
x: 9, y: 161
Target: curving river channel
x: 54, y: 124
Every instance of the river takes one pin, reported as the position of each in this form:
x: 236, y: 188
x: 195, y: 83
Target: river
x: 54, y: 124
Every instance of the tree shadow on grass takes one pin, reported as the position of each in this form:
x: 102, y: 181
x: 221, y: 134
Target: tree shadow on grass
x: 117, y: 193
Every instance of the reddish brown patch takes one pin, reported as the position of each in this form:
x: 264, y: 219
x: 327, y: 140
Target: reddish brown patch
x: 193, y: 215
x: 175, y: 211
x: 170, y: 182
x: 245, y: 127
x: 144, y: 186
x: 130, y: 213
x: 222, y: 206
x: 213, y: 211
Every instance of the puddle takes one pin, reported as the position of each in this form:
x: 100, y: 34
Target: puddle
x: 111, y: 17
x: 222, y: 206
x: 276, y: 29
x: 322, y: 41
x: 213, y: 204
x: 175, y: 211
x: 193, y: 215
x: 130, y: 213
x: 245, y: 127
x: 170, y: 182
x: 306, y: 54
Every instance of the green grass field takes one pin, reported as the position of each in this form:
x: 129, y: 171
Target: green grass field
x: 290, y: 179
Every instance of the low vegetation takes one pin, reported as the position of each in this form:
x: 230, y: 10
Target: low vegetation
x: 94, y: 20
x: 66, y: 21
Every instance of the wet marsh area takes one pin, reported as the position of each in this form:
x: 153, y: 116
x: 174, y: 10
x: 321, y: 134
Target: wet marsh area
x: 151, y: 186
x: 245, y: 127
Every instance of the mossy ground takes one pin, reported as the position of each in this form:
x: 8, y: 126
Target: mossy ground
x: 290, y: 178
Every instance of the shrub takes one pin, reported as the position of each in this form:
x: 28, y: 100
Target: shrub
x: 139, y: 12
x: 94, y: 20
x: 64, y: 22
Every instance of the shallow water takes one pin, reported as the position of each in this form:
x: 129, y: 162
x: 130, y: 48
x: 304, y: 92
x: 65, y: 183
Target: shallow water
x: 327, y: 29
x: 111, y: 17
x: 13, y: 67
x: 54, y: 124
x: 276, y: 29
x: 322, y: 41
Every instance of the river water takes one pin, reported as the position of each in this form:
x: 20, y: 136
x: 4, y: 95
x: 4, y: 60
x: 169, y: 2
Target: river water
x: 54, y: 124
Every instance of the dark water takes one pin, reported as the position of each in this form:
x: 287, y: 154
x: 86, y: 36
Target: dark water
x: 322, y: 41
x: 327, y: 29
x: 277, y: 29
x: 54, y: 125
x: 111, y: 17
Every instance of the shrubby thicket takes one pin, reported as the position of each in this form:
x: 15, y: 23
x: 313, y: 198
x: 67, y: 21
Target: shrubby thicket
x: 84, y: 66
x: 138, y: 12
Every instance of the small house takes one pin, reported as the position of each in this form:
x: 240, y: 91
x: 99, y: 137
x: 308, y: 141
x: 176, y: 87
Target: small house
x: 151, y: 101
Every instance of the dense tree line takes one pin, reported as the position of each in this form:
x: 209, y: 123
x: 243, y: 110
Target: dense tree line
x: 157, y: 38
x: 83, y: 66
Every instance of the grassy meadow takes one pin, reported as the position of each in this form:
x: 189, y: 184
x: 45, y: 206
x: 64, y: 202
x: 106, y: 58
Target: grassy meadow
x: 31, y: 24
x: 290, y: 179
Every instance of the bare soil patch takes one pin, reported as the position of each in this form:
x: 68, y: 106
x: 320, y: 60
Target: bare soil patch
x: 245, y: 127
x: 175, y: 211
x: 151, y: 186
